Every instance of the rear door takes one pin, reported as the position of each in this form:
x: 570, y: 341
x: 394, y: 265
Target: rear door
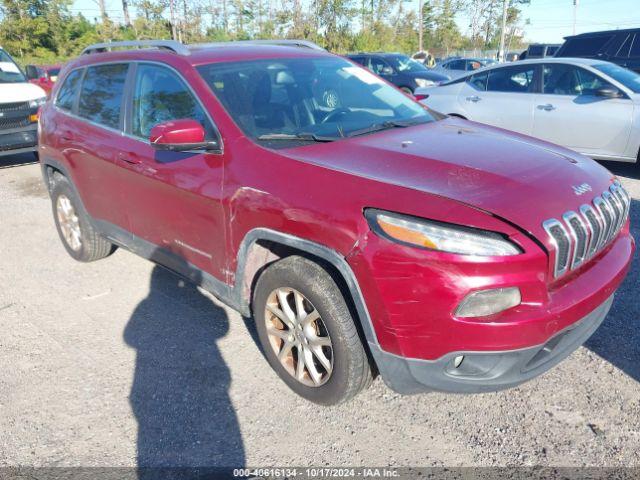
x: 568, y: 112
x: 502, y: 97
x: 174, y: 198
x: 89, y: 139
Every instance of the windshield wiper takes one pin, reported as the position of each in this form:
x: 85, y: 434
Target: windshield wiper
x: 305, y: 137
x: 377, y: 127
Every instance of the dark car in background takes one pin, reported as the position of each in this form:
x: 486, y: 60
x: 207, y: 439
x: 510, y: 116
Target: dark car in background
x: 540, y: 50
x: 617, y: 46
x: 404, y: 72
x: 44, y: 76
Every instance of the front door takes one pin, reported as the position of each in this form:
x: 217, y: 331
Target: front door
x: 175, y: 202
x: 501, y: 97
x: 568, y: 112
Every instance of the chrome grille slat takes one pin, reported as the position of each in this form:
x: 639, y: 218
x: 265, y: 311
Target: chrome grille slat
x: 595, y: 225
x: 579, y: 236
x: 579, y: 232
x: 615, y: 209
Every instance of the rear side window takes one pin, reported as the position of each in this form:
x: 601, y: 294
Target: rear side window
x: 511, y: 79
x: 69, y: 90
x: 635, y: 48
x: 536, y: 51
x: 585, y: 47
x: 161, y: 96
x: 360, y: 60
x: 102, y: 91
x: 456, y: 65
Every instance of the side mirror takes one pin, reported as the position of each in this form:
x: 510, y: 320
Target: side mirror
x: 608, y: 92
x: 387, y: 71
x: 180, y: 136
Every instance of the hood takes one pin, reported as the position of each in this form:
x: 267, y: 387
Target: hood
x: 19, y: 92
x: 515, y: 177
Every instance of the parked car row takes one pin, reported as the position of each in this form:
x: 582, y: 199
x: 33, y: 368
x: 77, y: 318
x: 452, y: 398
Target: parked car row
x: 19, y: 103
x: 363, y: 232
x: 589, y: 106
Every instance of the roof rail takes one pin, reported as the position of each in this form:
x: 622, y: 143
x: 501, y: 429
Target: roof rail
x: 171, y: 45
x: 281, y: 42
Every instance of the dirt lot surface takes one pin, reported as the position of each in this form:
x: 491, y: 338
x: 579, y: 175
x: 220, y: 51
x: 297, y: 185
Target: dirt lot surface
x: 119, y: 363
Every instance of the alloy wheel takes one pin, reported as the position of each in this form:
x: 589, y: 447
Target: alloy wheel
x: 299, y: 337
x: 69, y: 223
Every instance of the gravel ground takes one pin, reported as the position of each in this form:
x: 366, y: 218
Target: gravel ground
x: 118, y: 363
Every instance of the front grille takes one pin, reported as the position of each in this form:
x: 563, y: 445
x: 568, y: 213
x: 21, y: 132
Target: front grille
x: 8, y: 123
x: 14, y: 107
x: 581, y: 235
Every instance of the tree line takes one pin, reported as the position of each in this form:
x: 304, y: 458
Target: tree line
x: 47, y: 31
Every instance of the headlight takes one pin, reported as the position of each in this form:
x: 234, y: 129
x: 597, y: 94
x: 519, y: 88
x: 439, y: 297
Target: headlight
x: 37, y: 102
x: 439, y: 236
x: 423, y: 82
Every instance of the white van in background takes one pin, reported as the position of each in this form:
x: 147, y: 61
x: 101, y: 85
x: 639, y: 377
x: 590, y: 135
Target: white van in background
x: 19, y: 103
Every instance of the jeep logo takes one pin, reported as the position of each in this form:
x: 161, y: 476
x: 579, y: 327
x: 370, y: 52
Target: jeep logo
x: 580, y: 189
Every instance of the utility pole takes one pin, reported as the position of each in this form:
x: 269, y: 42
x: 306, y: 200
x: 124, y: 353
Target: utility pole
x: 420, y: 26
x: 505, y: 9
x: 575, y: 15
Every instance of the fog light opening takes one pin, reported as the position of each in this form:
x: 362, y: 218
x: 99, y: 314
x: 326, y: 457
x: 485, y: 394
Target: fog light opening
x: 488, y: 302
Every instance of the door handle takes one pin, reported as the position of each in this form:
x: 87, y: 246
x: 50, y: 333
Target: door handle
x: 546, y: 107
x: 473, y: 99
x: 129, y: 157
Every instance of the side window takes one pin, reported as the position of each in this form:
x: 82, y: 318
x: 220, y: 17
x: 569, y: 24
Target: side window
x: 456, y: 65
x: 635, y: 48
x: 360, y: 60
x: 378, y: 65
x: 473, y: 65
x: 623, y: 51
x: 69, y: 90
x: 562, y: 79
x: 479, y: 81
x: 589, y: 46
x: 511, y: 79
x: 101, y: 94
x: 161, y: 96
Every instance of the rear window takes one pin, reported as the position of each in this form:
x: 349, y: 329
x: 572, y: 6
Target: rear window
x: 101, y: 97
x: 511, y: 79
x: 69, y: 90
x: 585, y: 47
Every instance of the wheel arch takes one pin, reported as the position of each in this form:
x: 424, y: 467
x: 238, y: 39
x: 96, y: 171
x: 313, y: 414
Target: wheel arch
x: 261, y: 247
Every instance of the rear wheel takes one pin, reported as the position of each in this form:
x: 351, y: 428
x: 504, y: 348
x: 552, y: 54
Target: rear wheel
x: 307, y: 332
x: 79, y: 237
x: 407, y: 90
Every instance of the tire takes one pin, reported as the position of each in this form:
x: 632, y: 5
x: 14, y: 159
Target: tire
x: 407, y: 90
x: 92, y: 246
x: 350, y: 372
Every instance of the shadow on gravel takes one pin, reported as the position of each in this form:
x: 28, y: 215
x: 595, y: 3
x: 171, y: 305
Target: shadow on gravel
x: 17, y: 160
x: 180, y: 391
x: 618, y: 338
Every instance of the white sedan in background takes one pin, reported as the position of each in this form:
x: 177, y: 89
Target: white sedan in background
x: 590, y: 106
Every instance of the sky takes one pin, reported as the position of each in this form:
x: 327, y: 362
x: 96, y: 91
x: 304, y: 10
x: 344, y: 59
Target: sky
x: 545, y: 21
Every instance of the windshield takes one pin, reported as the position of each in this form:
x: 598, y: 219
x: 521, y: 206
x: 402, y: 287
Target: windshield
x: 402, y: 63
x: 309, y: 99
x: 9, y: 71
x: 628, y: 78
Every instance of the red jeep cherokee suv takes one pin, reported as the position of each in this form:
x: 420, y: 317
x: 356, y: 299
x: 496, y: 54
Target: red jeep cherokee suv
x: 364, y: 233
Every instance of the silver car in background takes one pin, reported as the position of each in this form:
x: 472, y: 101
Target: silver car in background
x: 458, y: 66
x: 587, y: 105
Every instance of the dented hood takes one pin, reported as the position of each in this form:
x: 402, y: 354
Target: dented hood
x: 515, y: 177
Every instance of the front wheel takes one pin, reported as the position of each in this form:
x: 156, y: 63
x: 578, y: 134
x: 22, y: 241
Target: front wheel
x: 307, y: 332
